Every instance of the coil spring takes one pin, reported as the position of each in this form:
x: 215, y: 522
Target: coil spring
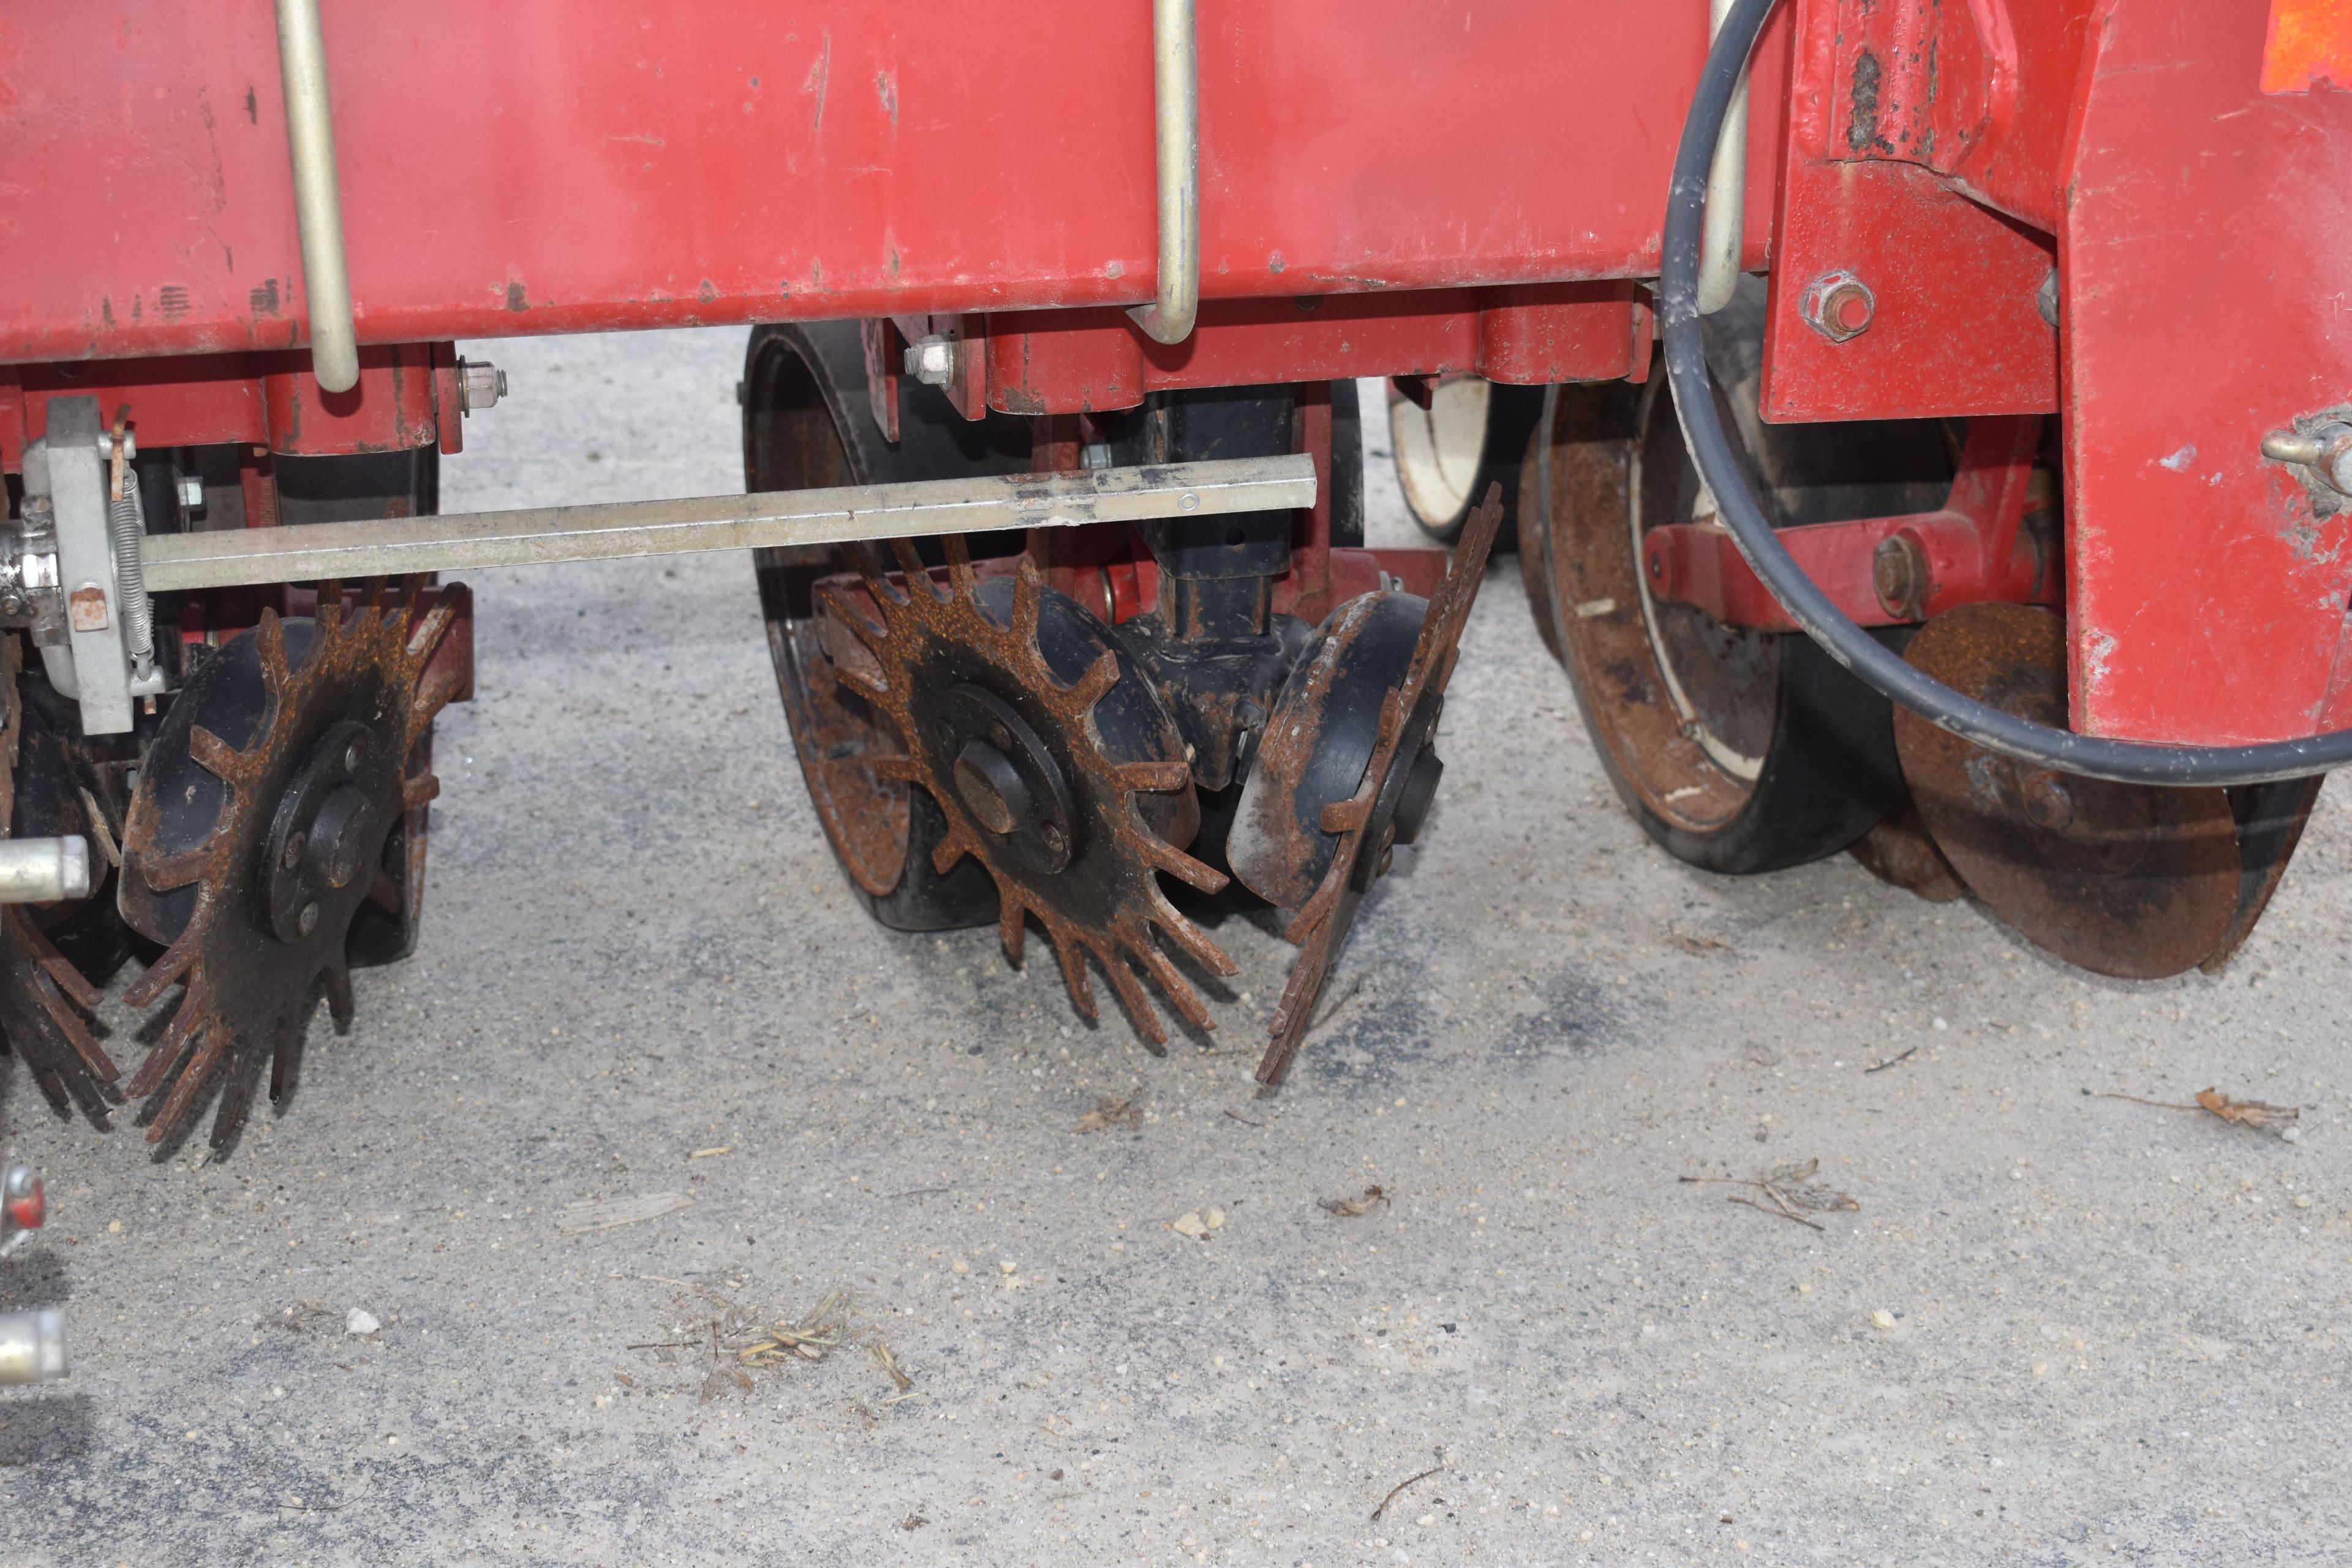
x: 127, y: 527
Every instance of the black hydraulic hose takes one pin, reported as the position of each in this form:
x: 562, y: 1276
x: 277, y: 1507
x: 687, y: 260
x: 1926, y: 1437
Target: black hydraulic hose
x: 2126, y: 762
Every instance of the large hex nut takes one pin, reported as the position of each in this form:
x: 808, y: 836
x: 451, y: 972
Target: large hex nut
x: 1838, y: 305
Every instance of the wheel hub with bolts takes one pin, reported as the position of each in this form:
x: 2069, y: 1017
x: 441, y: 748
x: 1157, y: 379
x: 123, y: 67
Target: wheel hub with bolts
x: 1054, y: 762
x: 1008, y: 780
x: 259, y: 830
x: 329, y: 827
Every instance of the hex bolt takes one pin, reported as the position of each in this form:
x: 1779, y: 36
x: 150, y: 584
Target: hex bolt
x: 932, y: 360
x: 308, y: 919
x: 292, y: 856
x: 480, y: 385
x: 2045, y: 298
x: 2048, y: 803
x: 1838, y: 305
x: 1898, y: 571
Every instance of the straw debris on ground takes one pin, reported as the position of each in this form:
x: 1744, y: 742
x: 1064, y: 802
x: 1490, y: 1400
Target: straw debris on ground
x: 2253, y: 1113
x: 1789, y: 1192
x: 1109, y: 1112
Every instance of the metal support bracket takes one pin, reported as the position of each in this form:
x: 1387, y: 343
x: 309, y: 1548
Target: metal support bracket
x: 75, y: 469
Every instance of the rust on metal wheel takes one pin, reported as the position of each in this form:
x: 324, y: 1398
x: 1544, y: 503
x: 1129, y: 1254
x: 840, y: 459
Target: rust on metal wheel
x: 46, y: 1002
x: 2130, y: 880
x: 1322, y: 876
x: 258, y: 831
x: 1055, y: 766
x: 1683, y: 705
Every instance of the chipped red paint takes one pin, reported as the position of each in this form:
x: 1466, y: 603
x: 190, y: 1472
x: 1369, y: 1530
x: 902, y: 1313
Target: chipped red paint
x: 264, y: 400
x: 1052, y: 361
x: 2204, y: 248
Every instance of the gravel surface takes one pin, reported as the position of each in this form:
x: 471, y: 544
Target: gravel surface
x: 654, y: 1074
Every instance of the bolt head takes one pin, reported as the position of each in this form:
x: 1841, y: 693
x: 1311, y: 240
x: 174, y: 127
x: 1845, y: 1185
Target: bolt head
x: 480, y: 385
x: 1898, y: 572
x: 2046, y: 800
x: 308, y: 920
x: 1838, y: 305
x: 932, y: 361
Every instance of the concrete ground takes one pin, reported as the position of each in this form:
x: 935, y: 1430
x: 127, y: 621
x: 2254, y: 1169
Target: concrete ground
x: 2053, y: 1329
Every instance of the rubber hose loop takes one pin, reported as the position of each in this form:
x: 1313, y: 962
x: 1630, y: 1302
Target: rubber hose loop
x: 2092, y: 756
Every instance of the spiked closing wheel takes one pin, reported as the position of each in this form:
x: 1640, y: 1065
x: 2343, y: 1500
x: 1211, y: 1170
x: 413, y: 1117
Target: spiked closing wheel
x: 1374, y: 808
x: 257, y: 832
x: 44, y: 999
x: 1055, y: 764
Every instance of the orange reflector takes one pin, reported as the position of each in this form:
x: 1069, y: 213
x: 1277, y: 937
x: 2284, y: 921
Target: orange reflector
x: 2309, y: 41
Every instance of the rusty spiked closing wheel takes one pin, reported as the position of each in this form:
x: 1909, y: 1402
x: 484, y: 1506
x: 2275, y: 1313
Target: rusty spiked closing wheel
x: 809, y: 422
x: 1323, y: 810
x: 1055, y: 764
x: 45, y: 1000
x: 257, y: 832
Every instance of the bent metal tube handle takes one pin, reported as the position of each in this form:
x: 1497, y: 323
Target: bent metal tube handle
x: 1176, y: 101
x: 318, y: 201
x: 1726, y: 193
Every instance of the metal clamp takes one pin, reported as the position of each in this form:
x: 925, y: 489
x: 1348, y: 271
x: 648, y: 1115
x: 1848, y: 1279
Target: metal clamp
x: 318, y: 200
x: 78, y: 569
x: 1176, y: 101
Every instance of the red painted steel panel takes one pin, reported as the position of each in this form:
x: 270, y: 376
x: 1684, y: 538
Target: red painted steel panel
x: 2205, y: 253
x: 1954, y: 329
x: 563, y: 165
x: 262, y: 399
x: 1093, y: 362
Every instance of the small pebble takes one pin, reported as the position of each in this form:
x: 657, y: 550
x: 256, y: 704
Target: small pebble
x: 1882, y: 1319
x: 960, y: 1267
x: 1190, y: 1225
x: 1214, y: 1218
x: 114, y: 1227
x: 361, y: 1322
x: 1005, y: 1265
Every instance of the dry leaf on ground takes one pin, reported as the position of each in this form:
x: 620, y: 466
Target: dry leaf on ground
x: 1109, y: 1112
x: 1352, y: 1208
x: 2252, y: 1113
x: 611, y: 1214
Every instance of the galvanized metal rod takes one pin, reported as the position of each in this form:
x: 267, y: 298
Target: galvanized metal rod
x: 43, y: 870
x: 308, y: 552
x: 32, y: 1346
x: 1726, y: 193
x: 318, y: 198
x: 1176, y: 101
